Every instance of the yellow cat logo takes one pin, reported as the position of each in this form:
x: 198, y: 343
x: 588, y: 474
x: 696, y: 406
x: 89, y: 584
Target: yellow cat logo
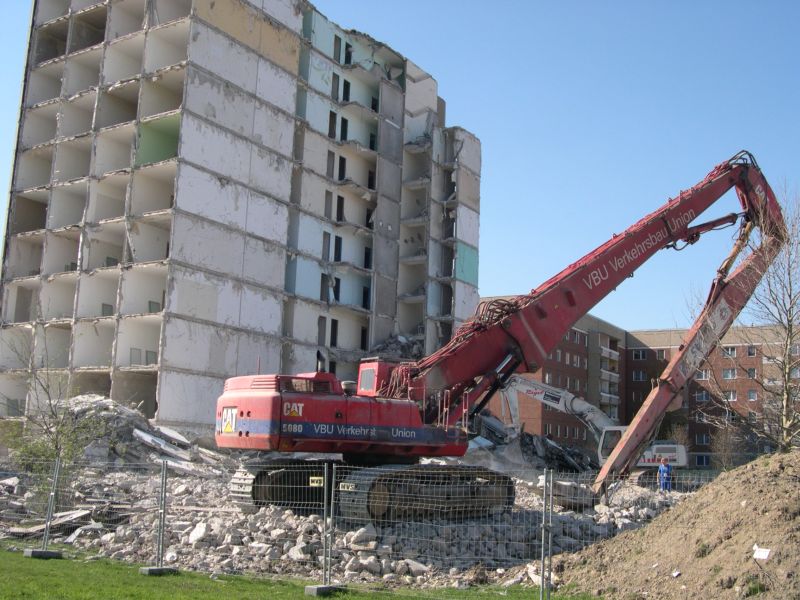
x: 293, y: 409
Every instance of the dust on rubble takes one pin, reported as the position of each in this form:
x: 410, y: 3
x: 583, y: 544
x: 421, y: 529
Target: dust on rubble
x: 704, y: 547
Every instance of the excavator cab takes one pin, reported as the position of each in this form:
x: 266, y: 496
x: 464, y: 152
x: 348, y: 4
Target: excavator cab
x: 609, y: 438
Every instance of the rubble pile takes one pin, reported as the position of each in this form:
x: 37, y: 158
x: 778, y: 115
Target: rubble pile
x: 115, y: 515
x: 400, y: 347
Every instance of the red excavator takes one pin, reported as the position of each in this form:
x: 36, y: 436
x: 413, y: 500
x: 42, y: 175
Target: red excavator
x: 399, y: 412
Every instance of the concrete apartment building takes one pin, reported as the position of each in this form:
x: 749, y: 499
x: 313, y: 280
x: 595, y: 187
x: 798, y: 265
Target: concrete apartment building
x: 204, y: 188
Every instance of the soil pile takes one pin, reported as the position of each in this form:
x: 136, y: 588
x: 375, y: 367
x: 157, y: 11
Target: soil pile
x: 704, y: 547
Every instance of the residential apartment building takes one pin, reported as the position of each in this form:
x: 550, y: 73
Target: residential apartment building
x: 207, y: 188
x: 734, y: 374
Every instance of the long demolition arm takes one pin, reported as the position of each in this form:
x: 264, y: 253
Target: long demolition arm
x: 507, y: 336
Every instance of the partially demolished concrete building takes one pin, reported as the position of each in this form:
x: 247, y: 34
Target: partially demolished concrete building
x: 204, y: 188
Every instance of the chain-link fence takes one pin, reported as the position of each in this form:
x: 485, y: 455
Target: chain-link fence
x: 382, y: 527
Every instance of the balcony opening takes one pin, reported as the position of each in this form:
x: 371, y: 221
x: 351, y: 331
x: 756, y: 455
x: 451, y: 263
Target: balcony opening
x: 16, y: 347
x: 34, y: 167
x: 346, y: 91
x: 67, y: 205
x: 136, y: 390
x: 137, y: 341
x: 45, y: 83
x: 104, y: 246
x: 93, y: 344
x: 107, y: 198
x: 165, y: 11
x: 124, y: 59
x: 47, y: 11
x: 88, y: 29
x: 149, y: 240
x: 14, y: 391
x: 340, y: 209
x: 118, y: 105
x: 97, y: 294
x: 72, y: 159
x: 39, y: 125
x: 25, y: 255
x: 91, y: 383
x: 76, y: 116
x: 57, y: 297
x: 143, y: 290
x: 50, y: 41
x: 29, y: 212
x: 331, y: 124
x: 158, y: 140
x: 166, y: 46
x: 21, y: 302
x: 82, y: 72
x: 162, y: 93
x: 125, y: 17
x: 114, y: 148
x: 153, y: 188
x: 51, y: 349
x: 61, y: 252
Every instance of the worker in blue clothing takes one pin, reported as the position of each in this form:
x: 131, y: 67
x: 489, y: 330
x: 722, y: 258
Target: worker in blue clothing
x: 665, y: 475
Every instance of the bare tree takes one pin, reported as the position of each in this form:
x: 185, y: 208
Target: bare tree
x: 727, y: 447
x: 769, y: 417
x: 51, y: 429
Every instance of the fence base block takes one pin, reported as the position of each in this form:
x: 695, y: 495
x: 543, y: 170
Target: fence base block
x: 45, y: 554
x: 157, y: 570
x: 323, y: 590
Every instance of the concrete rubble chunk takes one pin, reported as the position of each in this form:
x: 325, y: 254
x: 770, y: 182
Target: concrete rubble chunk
x: 199, y: 533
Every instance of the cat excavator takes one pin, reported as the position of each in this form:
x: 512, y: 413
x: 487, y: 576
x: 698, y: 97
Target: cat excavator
x: 399, y: 412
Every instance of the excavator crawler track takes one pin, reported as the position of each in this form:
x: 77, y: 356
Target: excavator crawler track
x: 377, y: 494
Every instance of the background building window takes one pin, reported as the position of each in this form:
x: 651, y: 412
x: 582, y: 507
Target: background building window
x: 729, y: 395
x: 701, y: 375
x: 639, y: 354
x: 639, y: 375
x: 702, y: 460
x: 752, y: 396
x: 751, y: 373
x: 729, y: 351
x: 661, y: 354
x: 701, y: 396
x: 729, y: 373
x: 751, y: 351
x: 702, y: 439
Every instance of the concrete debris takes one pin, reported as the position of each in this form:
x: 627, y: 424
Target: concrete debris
x: 400, y: 347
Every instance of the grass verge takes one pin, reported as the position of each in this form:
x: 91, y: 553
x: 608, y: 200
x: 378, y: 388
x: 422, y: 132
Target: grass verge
x: 80, y: 579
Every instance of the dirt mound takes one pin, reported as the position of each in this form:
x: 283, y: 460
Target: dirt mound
x: 704, y: 547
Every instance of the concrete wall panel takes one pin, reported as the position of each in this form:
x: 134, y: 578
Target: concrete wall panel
x: 224, y: 57
x: 188, y: 398
x: 286, y: 11
x: 276, y: 86
x: 389, y: 179
x: 421, y: 95
x: 261, y: 310
x: 254, y: 350
x: 263, y: 262
x: 390, y: 141
x: 213, y: 197
x: 204, y: 296
x: 465, y: 300
x: 385, y: 256
x: 199, y: 347
x: 385, y: 301
x: 267, y: 218
x: 273, y: 129
x: 219, y: 101
x: 466, y: 264
x: 270, y: 173
x: 470, y: 153
x: 468, y: 187
x: 206, y: 245
x: 467, y: 225
x: 391, y: 102
x: 215, y: 149
x: 251, y: 28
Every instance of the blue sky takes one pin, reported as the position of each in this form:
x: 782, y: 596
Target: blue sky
x: 591, y: 115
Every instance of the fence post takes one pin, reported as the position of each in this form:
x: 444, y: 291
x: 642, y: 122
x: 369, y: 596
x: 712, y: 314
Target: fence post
x: 325, y: 541
x: 550, y: 535
x: 332, y: 526
x: 544, y: 535
x: 51, y: 501
x: 162, y: 516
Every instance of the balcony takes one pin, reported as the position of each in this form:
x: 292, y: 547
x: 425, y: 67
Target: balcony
x: 609, y: 399
x: 609, y: 353
x: 610, y: 376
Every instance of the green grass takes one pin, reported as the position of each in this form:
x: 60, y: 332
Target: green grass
x: 79, y: 579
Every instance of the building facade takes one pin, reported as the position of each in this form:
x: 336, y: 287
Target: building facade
x: 207, y: 188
